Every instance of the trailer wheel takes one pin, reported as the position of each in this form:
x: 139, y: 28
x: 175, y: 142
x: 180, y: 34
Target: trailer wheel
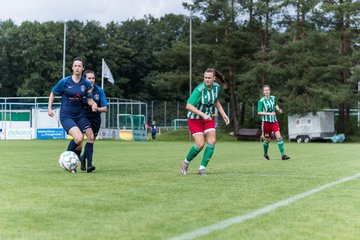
x: 299, y: 139
x: 306, y: 139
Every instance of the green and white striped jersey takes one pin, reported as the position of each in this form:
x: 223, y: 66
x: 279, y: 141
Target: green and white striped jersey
x: 267, y: 105
x: 204, y: 99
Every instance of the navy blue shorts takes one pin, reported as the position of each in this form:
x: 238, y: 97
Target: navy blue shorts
x: 82, y: 123
x: 95, y: 122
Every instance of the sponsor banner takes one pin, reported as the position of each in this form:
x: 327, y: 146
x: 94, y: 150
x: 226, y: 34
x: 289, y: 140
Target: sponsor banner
x: 68, y: 136
x: 107, y: 133
x: 126, y: 135
x: 2, y: 135
x: 50, y: 133
x: 140, y: 135
x: 25, y: 133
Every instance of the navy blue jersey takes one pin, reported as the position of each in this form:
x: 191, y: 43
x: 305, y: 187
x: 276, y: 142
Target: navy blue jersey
x: 153, y: 128
x: 98, y: 97
x: 72, y: 94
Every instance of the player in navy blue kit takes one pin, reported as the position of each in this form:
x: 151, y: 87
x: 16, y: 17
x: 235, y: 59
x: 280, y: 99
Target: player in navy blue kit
x: 94, y: 117
x: 153, y: 130
x: 72, y: 115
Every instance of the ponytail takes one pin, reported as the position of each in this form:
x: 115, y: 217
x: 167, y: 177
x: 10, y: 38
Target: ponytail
x: 219, y: 77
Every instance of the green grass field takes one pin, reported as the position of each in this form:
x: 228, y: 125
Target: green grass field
x: 137, y: 192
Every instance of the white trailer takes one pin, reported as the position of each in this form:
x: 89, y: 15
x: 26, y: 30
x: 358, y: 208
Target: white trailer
x: 313, y: 126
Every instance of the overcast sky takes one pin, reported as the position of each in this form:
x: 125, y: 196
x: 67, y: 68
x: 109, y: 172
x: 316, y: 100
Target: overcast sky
x: 103, y: 11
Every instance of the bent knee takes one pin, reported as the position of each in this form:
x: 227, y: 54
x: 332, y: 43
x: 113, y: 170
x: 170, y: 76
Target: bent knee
x: 266, y: 138
x: 90, y: 138
x: 200, y: 146
x: 78, y: 140
x: 90, y: 135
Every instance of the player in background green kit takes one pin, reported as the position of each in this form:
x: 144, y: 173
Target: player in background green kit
x: 201, y: 106
x: 266, y: 110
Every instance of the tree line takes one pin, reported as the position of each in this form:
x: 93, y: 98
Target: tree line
x: 306, y: 50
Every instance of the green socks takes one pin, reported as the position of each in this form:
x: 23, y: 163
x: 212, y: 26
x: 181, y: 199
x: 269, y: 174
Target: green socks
x: 281, y: 147
x: 194, y: 151
x: 209, y: 150
x: 266, y: 147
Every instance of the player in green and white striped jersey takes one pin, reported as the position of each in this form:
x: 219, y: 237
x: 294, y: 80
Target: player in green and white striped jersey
x: 267, y: 107
x: 203, y: 99
x: 201, y: 106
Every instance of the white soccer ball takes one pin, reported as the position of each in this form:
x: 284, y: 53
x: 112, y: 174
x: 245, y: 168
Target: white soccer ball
x: 68, y: 161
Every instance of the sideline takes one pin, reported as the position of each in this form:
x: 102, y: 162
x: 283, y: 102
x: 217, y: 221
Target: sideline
x: 231, y: 221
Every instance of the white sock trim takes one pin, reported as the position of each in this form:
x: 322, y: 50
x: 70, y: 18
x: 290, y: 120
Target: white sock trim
x: 201, y: 167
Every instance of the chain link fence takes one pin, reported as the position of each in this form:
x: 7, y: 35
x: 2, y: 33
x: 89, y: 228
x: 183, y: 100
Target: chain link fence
x: 165, y: 113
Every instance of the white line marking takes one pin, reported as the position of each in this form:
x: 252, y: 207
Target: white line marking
x: 231, y: 221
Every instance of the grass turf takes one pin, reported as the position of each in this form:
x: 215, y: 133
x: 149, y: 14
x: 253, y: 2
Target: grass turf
x: 137, y: 192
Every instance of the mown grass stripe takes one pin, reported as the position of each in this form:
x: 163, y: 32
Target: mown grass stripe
x: 231, y: 221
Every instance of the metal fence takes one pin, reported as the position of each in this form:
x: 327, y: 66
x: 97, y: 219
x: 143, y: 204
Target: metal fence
x: 123, y: 106
x: 32, y: 112
x: 165, y: 112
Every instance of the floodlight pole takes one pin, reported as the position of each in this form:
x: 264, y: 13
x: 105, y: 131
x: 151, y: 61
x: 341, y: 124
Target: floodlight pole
x: 358, y: 105
x: 190, y: 49
x: 191, y: 4
x: 64, y: 50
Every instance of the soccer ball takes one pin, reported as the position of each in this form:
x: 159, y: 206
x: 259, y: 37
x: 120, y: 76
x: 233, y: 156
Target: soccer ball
x: 68, y: 161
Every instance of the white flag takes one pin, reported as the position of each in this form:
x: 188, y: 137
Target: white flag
x: 106, y: 73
